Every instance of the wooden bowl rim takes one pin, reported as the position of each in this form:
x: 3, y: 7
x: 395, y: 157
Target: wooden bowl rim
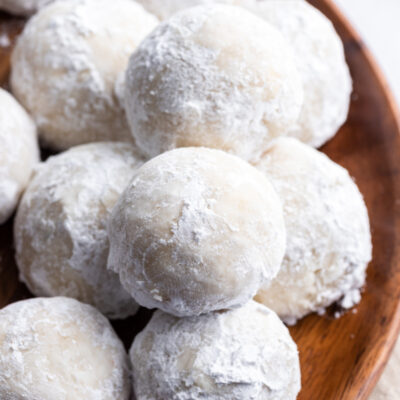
x: 393, y: 330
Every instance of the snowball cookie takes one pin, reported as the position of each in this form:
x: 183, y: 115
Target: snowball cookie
x: 66, y: 63
x: 23, y: 7
x: 196, y: 230
x: 238, y: 355
x: 214, y: 76
x: 60, y: 230
x: 328, y: 233
x: 59, y: 348
x: 320, y: 59
x: 19, y: 152
x: 164, y: 9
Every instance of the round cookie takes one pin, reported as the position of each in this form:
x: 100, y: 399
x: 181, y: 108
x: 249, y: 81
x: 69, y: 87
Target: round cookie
x: 319, y: 58
x: 215, y: 76
x: 60, y: 230
x: 59, y: 348
x: 321, y: 62
x: 66, y: 64
x: 19, y: 153
x: 164, y: 9
x: 239, y: 354
x: 328, y: 233
x: 196, y: 230
x: 23, y: 7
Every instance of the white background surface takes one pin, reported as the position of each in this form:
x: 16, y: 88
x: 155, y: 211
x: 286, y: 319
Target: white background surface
x: 378, y: 22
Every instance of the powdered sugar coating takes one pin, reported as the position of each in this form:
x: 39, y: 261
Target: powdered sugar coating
x: 321, y: 62
x: 19, y: 153
x: 214, y: 76
x: 196, y: 230
x: 244, y: 354
x: 59, y: 348
x: 319, y: 57
x: 328, y: 233
x: 60, y: 230
x: 23, y: 7
x: 164, y: 9
x: 66, y: 63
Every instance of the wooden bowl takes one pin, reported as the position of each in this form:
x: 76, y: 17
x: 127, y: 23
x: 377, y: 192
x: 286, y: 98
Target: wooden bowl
x: 341, y: 359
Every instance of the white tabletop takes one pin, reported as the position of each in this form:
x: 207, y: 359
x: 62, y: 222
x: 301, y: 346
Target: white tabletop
x: 378, y: 22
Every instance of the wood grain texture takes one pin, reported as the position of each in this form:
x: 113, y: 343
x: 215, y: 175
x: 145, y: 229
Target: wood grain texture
x: 341, y: 359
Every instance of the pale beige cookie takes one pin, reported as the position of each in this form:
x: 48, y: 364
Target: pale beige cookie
x: 319, y: 57
x: 59, y: 348
x: 321, y: 62
x: 66, y: 64
x: 196, y: 230
x: 240, y: 354
x: 19, y: 153
x: 328, y: 233
x: 215, y: 76
x: 164, y: 9
x: 60, y: 230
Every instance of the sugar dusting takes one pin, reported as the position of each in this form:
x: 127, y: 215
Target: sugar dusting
x: 244, y: 354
